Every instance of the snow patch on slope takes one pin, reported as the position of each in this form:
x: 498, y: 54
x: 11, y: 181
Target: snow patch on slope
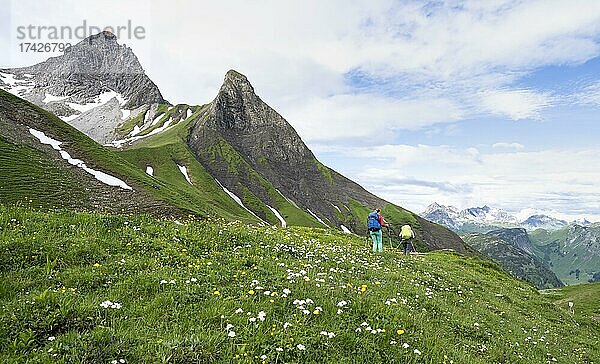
x: 125, y: 113
x: 183, y: 170
x: 52, y: 98
x: 69, y: 118
x: 100, y: 100
x: 150, y: 170
x: 316, y: 217
x: 345, y: 229
x: 99, y: 175
x: 281, y: 219
x: 237, y: 199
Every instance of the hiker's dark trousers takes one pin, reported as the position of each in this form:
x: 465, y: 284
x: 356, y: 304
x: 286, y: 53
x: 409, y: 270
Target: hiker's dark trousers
x: 407, y: 245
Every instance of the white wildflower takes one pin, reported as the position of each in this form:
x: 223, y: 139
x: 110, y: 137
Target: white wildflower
x: 262, y: 315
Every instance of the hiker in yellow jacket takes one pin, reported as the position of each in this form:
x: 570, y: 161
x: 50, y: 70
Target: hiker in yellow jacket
x: 407, y: 235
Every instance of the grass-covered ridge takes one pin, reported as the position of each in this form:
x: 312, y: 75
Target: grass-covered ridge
x: 584, y: 298
x: 212, y: 292
x: 34, y: 174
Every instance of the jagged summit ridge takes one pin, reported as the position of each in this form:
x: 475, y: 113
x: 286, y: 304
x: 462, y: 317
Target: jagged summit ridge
x: 238, y: 108
x: 237, y: 80
x: 488, y: 218
x: 98, y: 54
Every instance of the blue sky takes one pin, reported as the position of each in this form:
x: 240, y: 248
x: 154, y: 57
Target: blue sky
x: 460, y: 102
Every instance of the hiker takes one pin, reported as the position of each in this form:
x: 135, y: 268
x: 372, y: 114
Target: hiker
x: 375, y: 223
x: 406, y: 236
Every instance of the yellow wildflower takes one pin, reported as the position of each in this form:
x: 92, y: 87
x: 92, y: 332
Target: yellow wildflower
x: 400, y: 332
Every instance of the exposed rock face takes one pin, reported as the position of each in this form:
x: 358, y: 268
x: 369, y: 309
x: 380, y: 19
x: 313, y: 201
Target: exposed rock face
x: 251, y: 125
x: 88, y: 75
x: 271, y: 146
x: 516, y: 236
x: 543, y: 222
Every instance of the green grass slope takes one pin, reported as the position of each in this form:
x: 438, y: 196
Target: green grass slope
x: 208, y: 292
x: 573, y: 253
x: 34, y: 174
x: 585, y: 299
x: 164, y: 151
x: 255, y: 191
x: 514, y: 259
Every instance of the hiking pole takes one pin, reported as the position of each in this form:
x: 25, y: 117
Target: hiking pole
x: 391, y: 228
x: 389, y: 237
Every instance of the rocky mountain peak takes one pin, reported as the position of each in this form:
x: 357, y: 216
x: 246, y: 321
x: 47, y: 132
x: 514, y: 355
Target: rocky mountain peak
x: 544, y: 221
x: 95, y: 85
x: 237, y: 81
x: 97, y: 54
x: 239, y: 111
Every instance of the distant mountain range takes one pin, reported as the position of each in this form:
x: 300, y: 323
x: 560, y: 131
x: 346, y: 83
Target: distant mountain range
x: 484, y: 219
x: 572, y: 252
x: 234, y: 157
x: 530, y: 249
x: 512, y: 249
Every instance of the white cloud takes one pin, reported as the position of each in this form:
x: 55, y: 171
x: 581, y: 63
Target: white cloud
x: 563, y: 180
x: 516, y: 104
x: 589, y: 95
x: 298, y: 50
x: 505, y: 145
x: 342, y: 117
